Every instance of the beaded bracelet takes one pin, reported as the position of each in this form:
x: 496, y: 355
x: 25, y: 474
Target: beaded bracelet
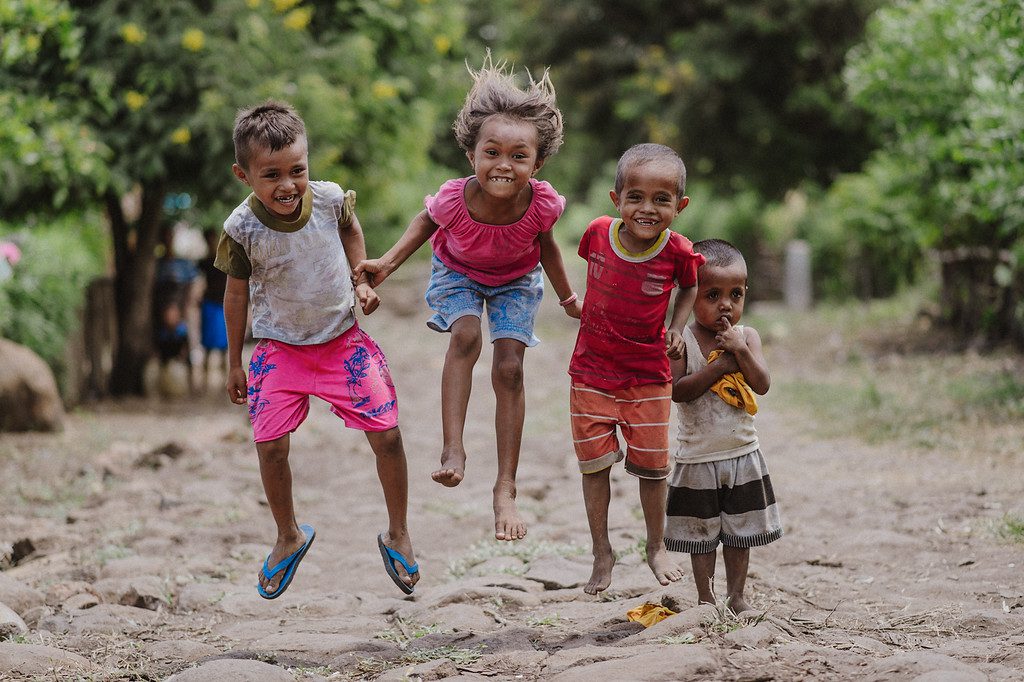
x: 568, y: 301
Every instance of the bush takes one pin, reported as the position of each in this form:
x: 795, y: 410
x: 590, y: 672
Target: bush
x: 39, y: 303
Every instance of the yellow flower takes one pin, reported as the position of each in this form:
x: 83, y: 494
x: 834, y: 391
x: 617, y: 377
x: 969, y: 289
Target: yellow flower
x: 193, y: 40
x: 298, y: 18
x: 442, y: 44
x: 132, y: 34
x: 181, y: 135
x: 662, y: 86
x: 687, y: 72
x: 135, y: 100
x: 282, y: 6
x: 32, y: 42
x: 382, y: 90
x: 253, y: 4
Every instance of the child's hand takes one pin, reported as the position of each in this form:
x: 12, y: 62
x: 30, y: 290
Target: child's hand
x: 374, y: 271
x: 368, y: 299
x: 237, y: 386
x: 574, y: 309
x: 726, y: 364
x: 730, y: 338
x: 674, y: 344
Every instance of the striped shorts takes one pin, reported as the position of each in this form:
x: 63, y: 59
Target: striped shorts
x: 641, y: 413
x: 730, y: 501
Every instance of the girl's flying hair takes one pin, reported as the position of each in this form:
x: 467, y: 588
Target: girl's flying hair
x: 496, y: 93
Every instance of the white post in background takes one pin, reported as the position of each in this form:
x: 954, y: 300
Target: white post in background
x: 797, y: 289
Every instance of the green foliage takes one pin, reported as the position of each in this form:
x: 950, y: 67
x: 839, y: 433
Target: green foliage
x: 39, y: 304
x: 750, y: 93
x: 150, y: 90
x: 47, y: 157
x: 945, y: 80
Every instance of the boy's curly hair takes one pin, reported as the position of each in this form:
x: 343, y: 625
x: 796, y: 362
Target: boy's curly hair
x: 640, y: 154
x: 272, y: 125
x: 495, y: 92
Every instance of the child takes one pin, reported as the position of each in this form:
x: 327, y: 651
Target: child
x: 289, y: 248
x: 213, y: 335
x: 620, y: 366
x: 720, y: 490
x: 491, y: 236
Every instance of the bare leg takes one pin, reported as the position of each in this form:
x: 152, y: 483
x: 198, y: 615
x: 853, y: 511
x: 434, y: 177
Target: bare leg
x: 277, y: 485
x: 510, y: 411
x: 653, y: 498
x: 737, y: 560
x: 456, y: 383
x: 597, y: 494
x: 704, y: 576
x: 394, y: 480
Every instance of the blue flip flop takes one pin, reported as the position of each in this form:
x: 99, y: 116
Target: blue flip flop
x: 390, y: 556
x: 288, y: 565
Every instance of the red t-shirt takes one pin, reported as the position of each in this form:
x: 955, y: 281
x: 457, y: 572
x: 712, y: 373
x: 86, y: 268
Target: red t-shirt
x: 621, y: 342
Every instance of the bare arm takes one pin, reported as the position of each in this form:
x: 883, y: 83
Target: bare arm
x: 554, y: 268
x: 236, y: 310
x: 377, y: 270
x: 745, y: 346
x: 688, y: 387
x: 685, y: 298
x: 354, y: 243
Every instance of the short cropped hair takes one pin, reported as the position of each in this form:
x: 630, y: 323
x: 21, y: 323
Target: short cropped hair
x: 718, y: 253
x: 272, y: 125
x: 640, y: 154
x: 496, y: 93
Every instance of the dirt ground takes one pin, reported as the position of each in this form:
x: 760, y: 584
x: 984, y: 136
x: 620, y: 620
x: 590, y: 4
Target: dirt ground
x: 145, y: 527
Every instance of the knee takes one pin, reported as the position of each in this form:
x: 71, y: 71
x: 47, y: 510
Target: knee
x: 508, y: 372
x: 386, y: 443
x: 273, y: 452
x: 465, y: 343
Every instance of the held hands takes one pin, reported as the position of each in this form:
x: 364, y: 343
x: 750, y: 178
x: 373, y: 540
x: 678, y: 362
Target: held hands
x: 368, y: 299
x: 373, y: 270
x: 674, y: 344
x: 574, y: 309
x: 237, y: 386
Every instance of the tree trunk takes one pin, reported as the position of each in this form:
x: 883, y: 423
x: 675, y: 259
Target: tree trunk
x: 135, y: 267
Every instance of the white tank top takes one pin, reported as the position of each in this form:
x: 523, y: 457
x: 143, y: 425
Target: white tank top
x: 710, y: 429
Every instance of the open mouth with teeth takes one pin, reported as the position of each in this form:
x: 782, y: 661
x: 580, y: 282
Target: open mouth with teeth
x: 502, y: 180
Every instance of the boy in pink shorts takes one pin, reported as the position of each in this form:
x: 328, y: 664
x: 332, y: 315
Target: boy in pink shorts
x: 620, y: 371
x: 288, y: 249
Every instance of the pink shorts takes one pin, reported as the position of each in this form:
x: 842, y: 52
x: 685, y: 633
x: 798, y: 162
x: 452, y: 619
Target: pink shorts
x: 349, y: 372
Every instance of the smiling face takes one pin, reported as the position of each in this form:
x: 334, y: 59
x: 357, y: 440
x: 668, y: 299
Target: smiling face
x: 721, y: 293
x: 278, y: 178
x: 648, y: 203
x: 504, y: 157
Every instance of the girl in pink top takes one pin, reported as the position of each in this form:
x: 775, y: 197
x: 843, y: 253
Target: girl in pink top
x: 491, y: 236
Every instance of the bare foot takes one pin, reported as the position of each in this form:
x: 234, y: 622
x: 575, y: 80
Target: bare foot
x: 402, y: 543
x: 661, y: 564
x: 739, y: 606
x: 453, y: 468
x: 508, y: 525
x: 601, y: 577
x: 286, y: 546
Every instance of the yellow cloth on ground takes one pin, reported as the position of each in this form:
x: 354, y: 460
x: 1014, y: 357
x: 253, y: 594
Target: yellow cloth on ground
x: 647, y: 614
x: 733, y: 389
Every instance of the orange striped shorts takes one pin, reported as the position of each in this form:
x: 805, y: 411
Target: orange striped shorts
x: 640, y: 413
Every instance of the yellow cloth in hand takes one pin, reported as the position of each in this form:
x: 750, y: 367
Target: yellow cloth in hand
x: 647, y: 614
x: 733, y: 389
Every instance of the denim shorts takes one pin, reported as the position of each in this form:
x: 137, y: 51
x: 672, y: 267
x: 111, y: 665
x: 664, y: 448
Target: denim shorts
x: 511, y: 307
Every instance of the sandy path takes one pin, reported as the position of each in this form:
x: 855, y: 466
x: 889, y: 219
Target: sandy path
x: 144, y: 565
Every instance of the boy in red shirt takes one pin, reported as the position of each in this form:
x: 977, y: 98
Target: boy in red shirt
x: 620, y: 367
